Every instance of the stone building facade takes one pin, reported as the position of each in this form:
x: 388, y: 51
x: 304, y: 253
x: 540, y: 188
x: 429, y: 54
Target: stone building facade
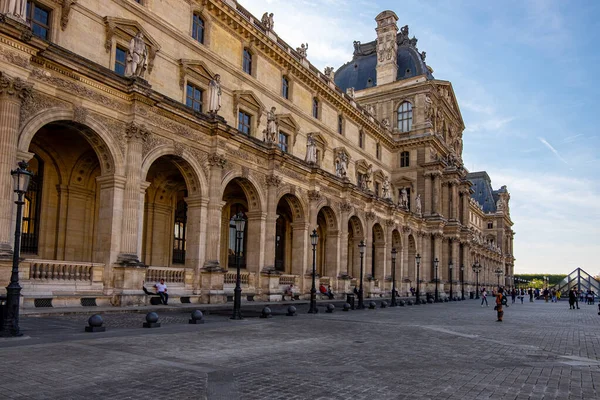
x: 148, y: 124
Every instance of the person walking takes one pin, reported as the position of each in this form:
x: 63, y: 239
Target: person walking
x: 530, y: 295
x: 522, y: 295
x: 498, y: 307
x: 572, y: 298
x: 513, y: 295
x: 484, y: 297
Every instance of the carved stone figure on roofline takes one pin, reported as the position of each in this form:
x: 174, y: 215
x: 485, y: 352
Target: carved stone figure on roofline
x: 268, y: 21
x: 14, y: 8
x: 302, y: 50
x: 137, y: 57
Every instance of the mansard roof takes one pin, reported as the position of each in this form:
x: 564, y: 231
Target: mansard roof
x: 483, y: 192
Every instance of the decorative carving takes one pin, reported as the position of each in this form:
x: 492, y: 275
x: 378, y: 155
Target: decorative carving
x: 302, y: 50
x: 390, y: 222
x: 15, y: 87
x: 153, y: 141
x: 14, y: 58
x: 216, y: 160
x: 137, y: 57
x: 329, y: 73
x: 268, y: 21
x: 418, y: 205
x: 15, y: 8
x: 345, y: 207
x: 271, y: 133
x: 135, y: 131
x: 80, y: 114
x: 37, y: 102
x: 65, y: 12
x: 127, y: 29
x: 214, y: 95
x: 273, y: 180
x: 386, y: 192
x: 311, y: 150
x: 179, y: 148
x: 115, y: 127
x: 314, y: 195
x: 369, y: 215
x: 350, y: 92
x: 406, y: 230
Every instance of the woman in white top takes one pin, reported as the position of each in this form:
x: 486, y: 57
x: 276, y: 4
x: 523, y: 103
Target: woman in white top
x: 484, y: 297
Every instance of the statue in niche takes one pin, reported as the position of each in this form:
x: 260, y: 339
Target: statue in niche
x: 418, y: 205
x: 15, y: 8
x: 137, y: 57
x: 385, y: 189
x: 341, y: 165
x: 429, y: 109
x: 311, y: 150
x: 329, y: 73
x: 272, y: 130
x: 386, y: 123
x: 214, y: 94
x: 403, y: 201
x: 302, y: 50
x: 368, y: 177
x: 500, y: 204
x: 268, y: 21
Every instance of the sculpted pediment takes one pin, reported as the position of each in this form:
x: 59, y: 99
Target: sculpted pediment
x: 126, y: 29
x: 196, y: 68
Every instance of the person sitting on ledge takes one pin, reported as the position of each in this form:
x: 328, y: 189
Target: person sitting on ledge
x: 323, y: 290
x: 289, y: 291
x: 161, y: 289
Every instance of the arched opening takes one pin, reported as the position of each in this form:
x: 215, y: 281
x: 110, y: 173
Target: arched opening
x: 412, y: 262
x: 327, y: 246
x: 378, y: 255
x: 60, y: 217
x: 289, y: 215
x: 355, y: 235
x: 397, y: 244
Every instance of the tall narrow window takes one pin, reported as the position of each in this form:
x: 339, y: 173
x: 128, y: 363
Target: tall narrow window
x: 285, y: 87
x: 361, y: 139
x: 404, y: 159
x: 179, y: 233
x: 120, y: 61
x: 283, y: 141
x: 315, y: 108
x: 31, y: 209
x: 377, y: 188
x: 247, y: 62
x: 198, y: 28
x: 244, y: 122
x: 231, y: 262
x: 340, y: 126
x: 378, y: 151
x: 193, y: 97
x: 38, y: 17
x: 405, y: 117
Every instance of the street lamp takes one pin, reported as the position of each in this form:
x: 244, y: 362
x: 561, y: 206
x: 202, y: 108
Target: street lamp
x: 450, y: 267
x: 13, y: 291
x: 394, y: 254
x: 462, y: 281
x: 418, y: 259
x: 240, y: 224
x: 314, y: 239
x: 435, y: 266
x: 498, y: 273
x: 361, y: 249
x: 545, y: 282
x: 477, y: 269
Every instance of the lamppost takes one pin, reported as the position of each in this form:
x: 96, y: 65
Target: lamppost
x: 394, y: 254
x: 361, y: 249
x: 546, y: 282
x: 13, y: 291
x: 418, y: 259
x: 498, y: 273
x: 450, y: 268
x: 477, y: 269
x: 314, y: 239
x: 462, y: 281
x: 240, y: 224
x: 435, y: 266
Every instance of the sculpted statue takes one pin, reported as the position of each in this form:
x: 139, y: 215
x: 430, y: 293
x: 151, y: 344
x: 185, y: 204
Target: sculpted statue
x: 423, y: 55
x: 341, y: 165
x: 368, y: 178
x: 350, y: 92
x: 268, y: 21
x: 429, y: 109
x: 403, y: 201
x: 272, y: 130
x: 357, y: 48
x: 137, y: 57
x: 385, y: 189
x: 386, y: 123
x: 500, y: 204
x: 371, y: 109
x: 311, y: 150
x: 329, y: 73
x: 15, y: 8
x: 302, y: 50
x: 214, y: 94
x: 418, y: 209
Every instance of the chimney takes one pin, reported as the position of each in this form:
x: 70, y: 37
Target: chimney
x: 387, y: 48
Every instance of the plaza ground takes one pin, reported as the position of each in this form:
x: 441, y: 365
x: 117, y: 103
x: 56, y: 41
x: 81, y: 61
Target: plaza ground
x: 435, y: 351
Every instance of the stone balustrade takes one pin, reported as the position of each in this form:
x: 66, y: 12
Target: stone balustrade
x: 52, y: 270
x: 287, y: 280
x: 169, y: 274
x: 230, y: 277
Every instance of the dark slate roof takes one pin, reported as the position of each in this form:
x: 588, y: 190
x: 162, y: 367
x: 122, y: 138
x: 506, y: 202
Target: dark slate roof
x: 360, y: 73
x: 484, y: 194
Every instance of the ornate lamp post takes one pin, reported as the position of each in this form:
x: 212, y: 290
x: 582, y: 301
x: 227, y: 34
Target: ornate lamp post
x: 418, y: 259
x: 314, y: 239
x: 462, y: 281
x: 240, y: 224
x: 451, y: 268
x: 394, y: 254
x: 477, y: 270
x: 498, y: 273
x: 361, y: 249
x: 435, y: 266
x: 13, y: 291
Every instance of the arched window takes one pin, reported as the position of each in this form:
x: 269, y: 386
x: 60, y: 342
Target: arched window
x: 198, y: 28
x: 404, y: 159
x: 405, y: 117
x: 179, y: 232
x: 315, y: 108
x: 285, y: 87
x: 31, y: 209
x: 247, y: 62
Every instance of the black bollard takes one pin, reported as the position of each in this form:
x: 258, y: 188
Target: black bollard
x: 291, y: 312
x: 197, y: 317
x: 151, y: 320
x: 347, y: 307
x: 372, y: 305
x: 384, y: 304
x: 266, y: 313
x: 95, y: 324
x: 330, y: 308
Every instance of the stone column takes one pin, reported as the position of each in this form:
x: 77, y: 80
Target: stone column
x: 273, y: 183
x: 437, y: 253
x: 130, y: 238
x: 195, y: 237
x: 428, y: 199
x: 455, y: 200
x: 456, y: 260
x: 256, y: 236
x: 299, y: 247
x: 445, y: 201
x: 13, y: 92
x: 160, y: 235
x: 345, y: 208
x: 407, y: 268
x: 214, y: 209
x: 436, y: 193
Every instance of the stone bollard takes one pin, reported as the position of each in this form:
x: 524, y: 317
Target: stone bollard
x: 372, y: 305
x: 384, y: 304
x: 347, y: 307
x: 266, y: 313
x: 401, y: 303
x: 95, y: 324
x: 291, y: 312
x: 152, y: 320
x: 197, y: 317
x: 330, y: 308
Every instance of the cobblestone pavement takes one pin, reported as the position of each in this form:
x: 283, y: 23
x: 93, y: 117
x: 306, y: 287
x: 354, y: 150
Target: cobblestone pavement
x: 441, y: 351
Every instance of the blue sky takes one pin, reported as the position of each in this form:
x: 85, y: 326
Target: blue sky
x: 526, y: 75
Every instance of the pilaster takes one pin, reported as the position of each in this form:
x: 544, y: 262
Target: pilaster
x: 216, y: 163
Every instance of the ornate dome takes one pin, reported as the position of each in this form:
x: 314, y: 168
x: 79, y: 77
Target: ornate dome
x: 361, y: 73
